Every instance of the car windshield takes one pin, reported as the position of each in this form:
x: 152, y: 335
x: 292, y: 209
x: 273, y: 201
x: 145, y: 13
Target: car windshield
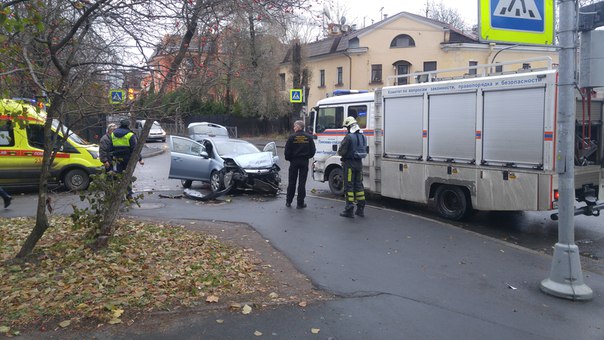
x: 234, y: 148
x: 208, y: 130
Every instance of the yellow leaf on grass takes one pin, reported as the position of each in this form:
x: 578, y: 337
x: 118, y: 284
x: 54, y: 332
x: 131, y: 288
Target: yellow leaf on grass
x: 315, y: 330
x: 212, y: 298
x: 65, y: 323
x: 115, y: 321
x: 116, y: 313
x: 246, y: 309
x: 4, y: 329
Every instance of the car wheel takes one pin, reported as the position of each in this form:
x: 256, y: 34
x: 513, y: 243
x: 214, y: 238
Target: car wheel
x: 76, y: 179
x: 216, y: 181
x: 336, y: 181
x: 186, y: 183
x: 452, y: 203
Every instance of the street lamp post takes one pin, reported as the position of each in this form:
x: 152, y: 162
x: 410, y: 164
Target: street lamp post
x: 566, y: 278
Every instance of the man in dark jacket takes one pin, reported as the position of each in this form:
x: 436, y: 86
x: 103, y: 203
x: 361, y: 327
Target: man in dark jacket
x: 299, y: 148
x: 353, y: 149
x: 124, y: 141
x: 105, y: 148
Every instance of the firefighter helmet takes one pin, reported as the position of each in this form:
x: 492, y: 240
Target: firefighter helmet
x: 349, y: 121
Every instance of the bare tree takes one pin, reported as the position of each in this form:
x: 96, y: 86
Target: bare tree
x: 438, y: 11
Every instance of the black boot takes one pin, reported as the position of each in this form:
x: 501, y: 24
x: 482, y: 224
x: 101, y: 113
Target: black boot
x: 348, y: 212
x: 360, y: 211
x: 7, y: 201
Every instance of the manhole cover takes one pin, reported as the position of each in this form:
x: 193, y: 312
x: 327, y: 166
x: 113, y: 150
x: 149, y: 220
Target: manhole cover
x: 147, y: 206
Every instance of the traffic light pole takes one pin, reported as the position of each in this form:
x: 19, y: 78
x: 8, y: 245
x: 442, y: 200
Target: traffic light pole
x: 566, y: 277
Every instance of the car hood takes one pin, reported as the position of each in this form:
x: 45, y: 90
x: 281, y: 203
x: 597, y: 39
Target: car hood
x: 261, y: 160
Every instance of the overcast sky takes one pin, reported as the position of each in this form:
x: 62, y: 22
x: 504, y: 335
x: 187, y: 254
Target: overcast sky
x: 364, y: 10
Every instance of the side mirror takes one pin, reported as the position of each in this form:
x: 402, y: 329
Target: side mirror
x: 204, y: 154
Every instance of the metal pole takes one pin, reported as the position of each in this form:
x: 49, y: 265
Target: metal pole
x: 566, y: 277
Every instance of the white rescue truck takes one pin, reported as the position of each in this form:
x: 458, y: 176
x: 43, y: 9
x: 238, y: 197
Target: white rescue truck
x: 476, y: 143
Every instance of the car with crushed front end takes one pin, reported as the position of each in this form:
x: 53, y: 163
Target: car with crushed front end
x: 225, y: 163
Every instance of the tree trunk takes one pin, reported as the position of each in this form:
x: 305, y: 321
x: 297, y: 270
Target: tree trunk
x: 108, y: 228
x: 47, y: 159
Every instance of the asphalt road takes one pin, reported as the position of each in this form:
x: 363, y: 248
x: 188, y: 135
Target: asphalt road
x: 533, y: 230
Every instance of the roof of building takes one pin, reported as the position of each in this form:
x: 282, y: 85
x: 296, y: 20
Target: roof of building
x: 339, y: 43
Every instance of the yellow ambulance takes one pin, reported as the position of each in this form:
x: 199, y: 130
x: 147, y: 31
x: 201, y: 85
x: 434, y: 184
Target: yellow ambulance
x: 21, y: 150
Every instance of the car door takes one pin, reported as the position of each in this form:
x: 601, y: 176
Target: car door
x: 272, y: 147
x: 188, y: 159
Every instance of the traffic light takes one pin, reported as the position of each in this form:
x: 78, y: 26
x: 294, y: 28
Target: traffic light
x: 131, y: 94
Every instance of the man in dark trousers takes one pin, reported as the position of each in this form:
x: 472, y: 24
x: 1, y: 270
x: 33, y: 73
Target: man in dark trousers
x: 300, y: 147
x: 353, y: 149
x: 124, y: 141
x: 6, y: 197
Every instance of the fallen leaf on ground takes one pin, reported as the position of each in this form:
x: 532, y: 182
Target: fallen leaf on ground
x: 302, y: 304
x: 212, y: 298
x: 116, y: 313
x: 219, y: 321
x: 258, y: 333
x: 4, y: 329
x: 65, y: 323
x: 273, y: 295
x: 246, y: 309
x: 315, y: 330
x: 115, y: 321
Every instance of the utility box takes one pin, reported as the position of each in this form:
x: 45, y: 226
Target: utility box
x: 592, y: 59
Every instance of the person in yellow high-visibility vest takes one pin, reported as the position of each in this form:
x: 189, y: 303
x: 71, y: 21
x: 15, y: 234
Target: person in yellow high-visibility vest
x: 123, y: 142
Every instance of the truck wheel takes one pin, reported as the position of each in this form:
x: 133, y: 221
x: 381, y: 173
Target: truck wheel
x: 186, y: 183
x: 216, y: 181
x: 76, y: 179
x: 336, y: 181
x: 452, y: 203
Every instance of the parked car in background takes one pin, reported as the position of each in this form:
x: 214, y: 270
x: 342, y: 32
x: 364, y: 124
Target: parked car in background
x: 225, y: 163
x: 156, y: 133
x: 202, y: 130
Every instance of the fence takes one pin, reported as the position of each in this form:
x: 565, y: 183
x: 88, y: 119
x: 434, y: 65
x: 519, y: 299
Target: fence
x: 237, y: 126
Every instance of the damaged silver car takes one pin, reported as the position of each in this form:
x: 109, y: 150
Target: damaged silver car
x: 224, y: 163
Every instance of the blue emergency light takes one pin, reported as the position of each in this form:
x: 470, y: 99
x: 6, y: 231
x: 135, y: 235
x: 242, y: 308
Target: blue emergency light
x: 345, y: 92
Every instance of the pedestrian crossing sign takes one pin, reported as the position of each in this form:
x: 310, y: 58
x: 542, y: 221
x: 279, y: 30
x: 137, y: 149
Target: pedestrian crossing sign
x: 117, y: 96
x: 517, y: 21
x: 295, y: 96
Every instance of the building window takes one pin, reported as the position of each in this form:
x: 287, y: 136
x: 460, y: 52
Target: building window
x: 322, y: 78
x: 472, y: 71
x: 340, y: 76
x: 353, y: 43
x: 282, y: 81
x: 499, y: 68
x: 376, y: 73
x: 402, y: 40
x: 429, y: 66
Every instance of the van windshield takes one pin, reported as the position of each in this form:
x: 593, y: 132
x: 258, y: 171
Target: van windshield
x: 72, y: 135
